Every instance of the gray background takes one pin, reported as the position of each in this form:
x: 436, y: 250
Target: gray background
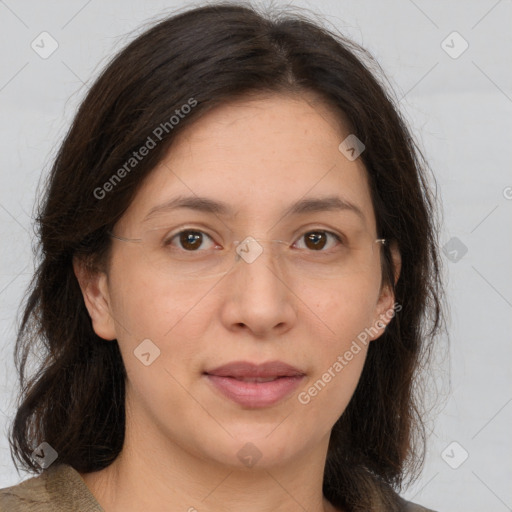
x: 460, y: 109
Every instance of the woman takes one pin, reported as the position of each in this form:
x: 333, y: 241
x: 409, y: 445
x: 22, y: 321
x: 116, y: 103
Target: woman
x: 238, y: 281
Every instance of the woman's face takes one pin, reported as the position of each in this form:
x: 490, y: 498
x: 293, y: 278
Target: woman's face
x: 257, y: 158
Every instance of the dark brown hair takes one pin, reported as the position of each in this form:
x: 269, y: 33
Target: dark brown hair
x: 215, y: 54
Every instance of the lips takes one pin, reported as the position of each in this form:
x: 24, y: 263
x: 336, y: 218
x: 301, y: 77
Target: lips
x: 255, y: 386
x: 252, y: 372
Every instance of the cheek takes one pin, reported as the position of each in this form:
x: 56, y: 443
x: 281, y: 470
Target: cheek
x: 346, y: 307
x: 160, y: 330
x: 148, y: 304
x: 347, y: 314
x: 339, y: 361
x: 174, y: 318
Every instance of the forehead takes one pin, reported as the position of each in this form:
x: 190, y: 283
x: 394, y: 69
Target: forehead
x: 259, y: 157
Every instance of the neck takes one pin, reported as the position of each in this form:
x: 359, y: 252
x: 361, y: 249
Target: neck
x: 141, y: 478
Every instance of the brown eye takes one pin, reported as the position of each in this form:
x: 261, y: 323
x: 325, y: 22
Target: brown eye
x: 317, y: 240
x: 189, y: 240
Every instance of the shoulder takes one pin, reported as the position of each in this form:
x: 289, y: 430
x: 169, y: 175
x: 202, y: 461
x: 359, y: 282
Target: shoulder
x: 57, y: 489
x: 26, y: 495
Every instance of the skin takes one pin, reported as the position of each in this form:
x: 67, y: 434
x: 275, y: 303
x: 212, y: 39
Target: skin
x: 182, y: 436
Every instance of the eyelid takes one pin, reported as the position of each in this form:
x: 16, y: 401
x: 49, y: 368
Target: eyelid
x: 336, y: 233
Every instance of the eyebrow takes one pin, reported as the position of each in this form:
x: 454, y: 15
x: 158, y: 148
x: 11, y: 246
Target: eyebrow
x: 207, y: 205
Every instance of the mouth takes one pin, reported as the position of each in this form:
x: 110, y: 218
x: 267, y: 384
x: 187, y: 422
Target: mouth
x: 252, y: 372
x: 255, y: 386
x: 252, y: 379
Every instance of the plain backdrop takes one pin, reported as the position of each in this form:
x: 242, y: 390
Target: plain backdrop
x: 449, y: 64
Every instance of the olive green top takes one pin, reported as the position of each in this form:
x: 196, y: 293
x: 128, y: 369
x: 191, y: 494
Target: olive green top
x: 60, y: 488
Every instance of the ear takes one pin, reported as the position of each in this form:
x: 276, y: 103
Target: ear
x: 94, y: 286
x: 385, y: 307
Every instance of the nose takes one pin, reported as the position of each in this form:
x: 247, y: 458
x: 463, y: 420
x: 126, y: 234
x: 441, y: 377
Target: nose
x: 260, y: 296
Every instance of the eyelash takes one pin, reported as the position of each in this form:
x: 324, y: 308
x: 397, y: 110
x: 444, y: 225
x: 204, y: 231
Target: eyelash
x: 167, y: 241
